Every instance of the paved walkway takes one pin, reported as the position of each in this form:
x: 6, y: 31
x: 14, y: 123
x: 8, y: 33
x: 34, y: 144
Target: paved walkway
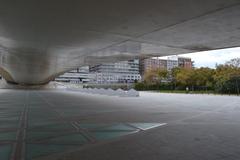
x: 48, y: 125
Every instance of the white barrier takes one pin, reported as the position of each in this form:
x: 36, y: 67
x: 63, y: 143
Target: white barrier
x: 109, y: 92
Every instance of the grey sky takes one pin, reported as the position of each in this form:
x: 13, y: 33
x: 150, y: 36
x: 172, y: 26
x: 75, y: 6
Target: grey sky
x: 211, y: 58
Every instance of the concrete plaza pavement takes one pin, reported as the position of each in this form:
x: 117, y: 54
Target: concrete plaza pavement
x: 68, y: 125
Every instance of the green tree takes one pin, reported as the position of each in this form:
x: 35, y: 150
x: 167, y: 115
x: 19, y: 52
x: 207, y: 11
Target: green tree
x: 186, y: 78
x: 204, y: 77
x: 150, y: 77
x: 162, y: 74
x: 226, y: 78
x: 173, y: 76
x: 155, y: 76
x: 234, y: 62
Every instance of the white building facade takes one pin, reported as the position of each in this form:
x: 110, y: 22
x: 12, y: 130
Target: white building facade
x: 79, y: 75
x: 121, y: 72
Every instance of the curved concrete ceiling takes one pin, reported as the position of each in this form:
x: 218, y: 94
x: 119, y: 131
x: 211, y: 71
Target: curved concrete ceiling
x: 40, y: 39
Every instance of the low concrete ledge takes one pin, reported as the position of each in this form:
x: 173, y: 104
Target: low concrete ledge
x: 108, y: 92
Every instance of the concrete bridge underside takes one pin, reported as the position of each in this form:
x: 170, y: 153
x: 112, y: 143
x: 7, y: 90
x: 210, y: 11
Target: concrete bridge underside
x: 41, y: 39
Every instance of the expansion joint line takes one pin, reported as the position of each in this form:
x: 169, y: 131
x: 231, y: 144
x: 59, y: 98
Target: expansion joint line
x: 20, y: 145
x: 74, y: 124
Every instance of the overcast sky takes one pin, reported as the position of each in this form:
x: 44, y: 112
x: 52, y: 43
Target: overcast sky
x: 211, y: 58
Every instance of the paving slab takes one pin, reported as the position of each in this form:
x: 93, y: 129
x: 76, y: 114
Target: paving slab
x: 56, y: 125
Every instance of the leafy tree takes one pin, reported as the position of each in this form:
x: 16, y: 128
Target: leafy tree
x: 225, y: 77
x: 204, y: 77
x: 185, y: 78
x: 173, y: 76
x: 162, y: 74
x: 155, y: 76
x: 234, y: 62
x: 150, y: 76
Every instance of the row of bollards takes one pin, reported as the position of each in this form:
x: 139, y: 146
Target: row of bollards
x: 110, y: 92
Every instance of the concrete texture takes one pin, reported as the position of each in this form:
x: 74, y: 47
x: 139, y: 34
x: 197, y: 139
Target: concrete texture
x: 68, y: 125
x: 42, y: 39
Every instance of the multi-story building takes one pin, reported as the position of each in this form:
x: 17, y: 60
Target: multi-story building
x: 185, y: 62
x: 121, y: 72
x: 79, y: 75
x: 168, y: 64
x: 152, y: 64
x: 171, y: 64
